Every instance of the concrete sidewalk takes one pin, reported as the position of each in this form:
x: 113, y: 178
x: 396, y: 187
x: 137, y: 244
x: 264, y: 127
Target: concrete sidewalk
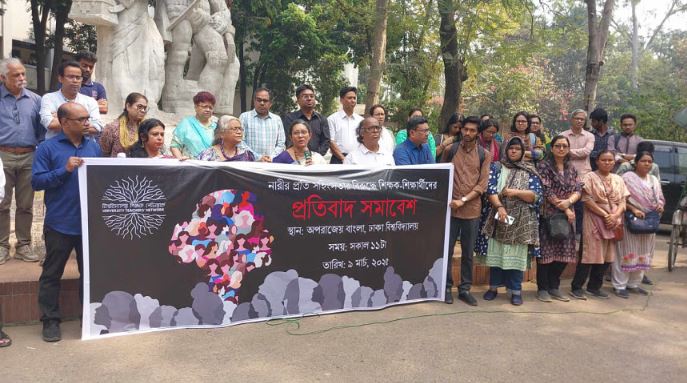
x: 636, y: 340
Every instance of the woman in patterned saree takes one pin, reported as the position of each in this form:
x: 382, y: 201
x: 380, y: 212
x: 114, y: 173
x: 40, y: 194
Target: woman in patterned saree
x: 635, y: 251
x: 561, y: 191
x: 512, y: 225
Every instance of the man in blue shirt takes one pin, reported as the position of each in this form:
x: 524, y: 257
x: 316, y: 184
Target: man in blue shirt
x: 89, y: 87
x: 20, y: 132
x: 55, y: 171
x: 414, y: 150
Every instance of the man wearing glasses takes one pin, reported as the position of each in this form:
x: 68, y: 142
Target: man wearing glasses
x: 263, y: 130
x: 20, y: 132
x: 369, y: 152
x: 305, y: 98
x: 55, y: 171
x: 70, y: 78
x: 414, y: 150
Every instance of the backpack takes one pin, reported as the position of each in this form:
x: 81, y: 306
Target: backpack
x: 454, y: 149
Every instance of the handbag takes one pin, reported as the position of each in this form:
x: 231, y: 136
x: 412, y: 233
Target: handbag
x: 558, y: 227
x: 648, y: 225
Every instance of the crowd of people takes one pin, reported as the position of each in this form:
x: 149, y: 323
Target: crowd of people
x: 518, y: 195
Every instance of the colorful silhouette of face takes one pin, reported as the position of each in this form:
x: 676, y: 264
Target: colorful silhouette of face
x: 217, y: 242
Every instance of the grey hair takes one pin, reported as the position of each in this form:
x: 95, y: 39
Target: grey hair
x: 5, y: 64
x: 576, y: 111
x: 223, y: 126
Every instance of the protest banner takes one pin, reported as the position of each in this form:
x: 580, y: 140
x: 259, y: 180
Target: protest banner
x: 171, y: 244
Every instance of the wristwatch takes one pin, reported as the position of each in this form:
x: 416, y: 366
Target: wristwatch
x: 464, y: 199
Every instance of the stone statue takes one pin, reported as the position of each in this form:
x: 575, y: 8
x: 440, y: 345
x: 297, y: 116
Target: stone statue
x: 203, y: 28
x: 131, y: 51
x: 130, y: 48
x: 138, y: 57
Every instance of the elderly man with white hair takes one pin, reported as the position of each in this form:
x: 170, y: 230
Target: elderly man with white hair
x: 20, y: 132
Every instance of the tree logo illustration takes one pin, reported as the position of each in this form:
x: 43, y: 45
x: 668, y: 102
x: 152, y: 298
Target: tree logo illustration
x: 133, y: 207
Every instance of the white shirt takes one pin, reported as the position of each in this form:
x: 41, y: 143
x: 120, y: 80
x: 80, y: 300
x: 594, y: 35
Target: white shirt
x: 52, y: 101
x: 364, y: 156
x: 387, y: 140
x: 342, y: 130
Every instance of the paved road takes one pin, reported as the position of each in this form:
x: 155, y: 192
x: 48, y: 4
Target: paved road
x: 635, y: 340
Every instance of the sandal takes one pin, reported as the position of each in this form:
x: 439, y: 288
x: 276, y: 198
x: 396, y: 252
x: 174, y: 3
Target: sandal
x: 5, y: 340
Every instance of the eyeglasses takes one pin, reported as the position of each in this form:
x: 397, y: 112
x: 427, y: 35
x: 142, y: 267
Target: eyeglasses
x: 261, y: 101
x: 81, y: 120
x: 206, y: 107
x: 236, y: 128
x: 373, y: 129
x: 422, y: 131
x: 72, y: 77
x: 560, y: 146
x: 15, y: 114
x: 307, y: 96
x: 521, y: 121
x: 141, y: 108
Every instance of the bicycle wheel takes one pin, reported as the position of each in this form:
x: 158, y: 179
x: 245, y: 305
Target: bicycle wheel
x: 672, y: 246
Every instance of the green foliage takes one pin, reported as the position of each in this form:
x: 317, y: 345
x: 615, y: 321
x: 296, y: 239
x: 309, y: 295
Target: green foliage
x: 662, y: 92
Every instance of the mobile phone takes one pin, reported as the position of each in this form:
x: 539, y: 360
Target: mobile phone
x: 307, y: 155
x: 509, y: 219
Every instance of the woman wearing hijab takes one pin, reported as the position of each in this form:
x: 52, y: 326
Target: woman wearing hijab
x: 511, y: 229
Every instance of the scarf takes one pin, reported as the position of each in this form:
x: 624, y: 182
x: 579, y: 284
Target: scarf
x: 514, y: 175
x: 125, y: 138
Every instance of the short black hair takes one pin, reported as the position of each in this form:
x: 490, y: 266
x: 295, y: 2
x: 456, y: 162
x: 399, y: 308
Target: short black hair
x: 599, y: 114
x: 472, y: 120
x: 346, y: 89
x: 86, y: 55
x: 303, y: 87
x: 628, y: 115
x: 414, y: 122
x: 66, y: 64
x: 263, y: 89
x: 413, y: 110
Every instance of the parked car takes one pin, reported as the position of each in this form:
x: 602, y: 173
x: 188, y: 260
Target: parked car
x: 671, y: 158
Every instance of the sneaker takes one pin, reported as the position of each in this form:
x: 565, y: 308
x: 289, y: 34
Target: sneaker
x: 448, y: 298
x: 544, y: 296
x: 466, y: 297
x: 557, y: 295
x: 4, y: 254
x: 490, y: 295
x: 5, y: 340
x: 637, y: 290
x: 51, y: 331
x: 578, y: 294
x: 647, y: 281
x: 621, y: 293
x: 26, y: 254
x: 597, y: 294
x: 516, y: 300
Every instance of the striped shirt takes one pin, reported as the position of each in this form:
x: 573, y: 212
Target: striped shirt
x: 265, y: 136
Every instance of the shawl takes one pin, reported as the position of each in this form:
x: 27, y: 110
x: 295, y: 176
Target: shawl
x: 514, y: 175
x: 643, y: 196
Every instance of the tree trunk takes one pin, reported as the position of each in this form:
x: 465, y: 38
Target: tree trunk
x: 39, y: 18
x: 242, y: 75
x: 61, y: 11
x: 378, y: 54
x: 453, y: 63
x: 598, y: 36
x: 635, y: 46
